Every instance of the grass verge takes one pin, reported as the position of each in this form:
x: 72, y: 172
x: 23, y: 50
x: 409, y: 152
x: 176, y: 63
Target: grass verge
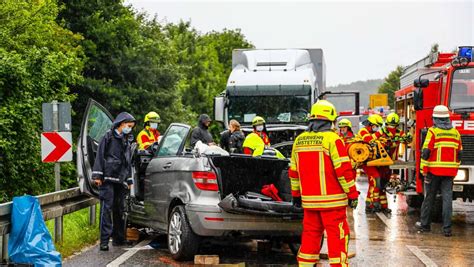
x: 77, y: 233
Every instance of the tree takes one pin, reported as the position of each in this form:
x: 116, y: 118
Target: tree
x: 81, y: 49
x: 206, y: 62
x: 39, y: 60
x: 130, y: 64
x: 391, y: 84
x: 434, y: 48
x: 224, y: 43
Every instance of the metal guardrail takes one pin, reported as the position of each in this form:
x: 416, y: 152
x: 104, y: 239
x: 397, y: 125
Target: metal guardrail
x: 53, y: 205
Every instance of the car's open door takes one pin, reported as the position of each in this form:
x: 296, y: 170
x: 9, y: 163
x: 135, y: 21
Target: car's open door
x: 95, y: 123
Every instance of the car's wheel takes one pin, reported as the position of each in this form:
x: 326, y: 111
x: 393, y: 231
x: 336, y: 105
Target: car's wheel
x: 183, y: 243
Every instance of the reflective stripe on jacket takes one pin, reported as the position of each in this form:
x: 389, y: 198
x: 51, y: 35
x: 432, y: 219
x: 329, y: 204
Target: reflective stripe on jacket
x: 147, y: 137
x: 346, y: 138
x: 255, y: 143
x: 320, y: 171
x: 366, y: 135
x: 392, y: 135
x: 444, y: 146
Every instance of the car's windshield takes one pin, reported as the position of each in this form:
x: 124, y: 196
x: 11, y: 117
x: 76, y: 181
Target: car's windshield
x: 462, y: 89
x: 275, y: 109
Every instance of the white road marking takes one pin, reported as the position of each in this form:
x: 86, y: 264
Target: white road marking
x: 147, y: 247
x: 384, y: 219
x: 422, y: 256
x: 125, y: 256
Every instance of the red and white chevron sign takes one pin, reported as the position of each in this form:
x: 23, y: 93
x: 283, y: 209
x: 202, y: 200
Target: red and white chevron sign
x: 56, y: 146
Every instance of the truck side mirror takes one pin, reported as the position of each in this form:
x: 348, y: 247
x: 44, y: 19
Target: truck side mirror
x: 219, y: 108
x: 421, y: 83
x: 418, y: 99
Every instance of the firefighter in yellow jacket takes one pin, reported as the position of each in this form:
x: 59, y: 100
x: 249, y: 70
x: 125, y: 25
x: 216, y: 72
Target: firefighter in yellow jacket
x: 257, y: 142
x: 322, y: 182
x: 150, y: 133
x: 440, y: 160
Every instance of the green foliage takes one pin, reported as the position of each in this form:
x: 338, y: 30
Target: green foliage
x: 206, y: 62
x: 130, y: 65
x: 77, y: 232
x: 434, y: 48
x: 80, y: 49
x: 38, y: 61
x: 391, y: 84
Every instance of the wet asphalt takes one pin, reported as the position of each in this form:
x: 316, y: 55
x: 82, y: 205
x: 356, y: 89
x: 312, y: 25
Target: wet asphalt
x: 376, y: 239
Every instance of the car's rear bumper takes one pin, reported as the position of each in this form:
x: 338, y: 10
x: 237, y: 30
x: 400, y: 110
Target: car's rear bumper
x: 211, y: 220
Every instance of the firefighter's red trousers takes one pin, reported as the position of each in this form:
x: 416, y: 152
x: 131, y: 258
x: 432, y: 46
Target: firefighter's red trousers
x: 337, y: 230
x: 372, y: 192
x: 385, y: 174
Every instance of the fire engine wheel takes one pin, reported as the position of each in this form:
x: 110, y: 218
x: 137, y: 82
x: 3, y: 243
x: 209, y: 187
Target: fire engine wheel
x: 295, y: 246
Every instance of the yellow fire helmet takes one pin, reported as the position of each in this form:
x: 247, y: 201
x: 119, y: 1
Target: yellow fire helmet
x: 258, y: 121
x: 392, y: 119
x: 152, y: 117
x: 344, y: 123
x: 323, y: 110
x: 375, y: 119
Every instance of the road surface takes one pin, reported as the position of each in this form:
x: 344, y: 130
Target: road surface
x: 376, y: 239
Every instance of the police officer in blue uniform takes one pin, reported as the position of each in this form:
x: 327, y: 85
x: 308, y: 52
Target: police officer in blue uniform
x: 112, y: 172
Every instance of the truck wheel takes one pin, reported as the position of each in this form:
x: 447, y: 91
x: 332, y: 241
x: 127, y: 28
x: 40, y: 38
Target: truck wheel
x: 415, y: 201
x: 183, y: 243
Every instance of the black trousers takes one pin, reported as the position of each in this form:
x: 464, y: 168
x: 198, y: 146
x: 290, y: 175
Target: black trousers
x: 433, y: 184
x: 112, y: 206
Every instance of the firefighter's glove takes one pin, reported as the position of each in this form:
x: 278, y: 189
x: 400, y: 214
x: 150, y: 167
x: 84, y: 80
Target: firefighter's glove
x: 353, y: 203
x: 408, y: 138
x: 296, y: 202
x: 354, y: 199
x: 426, y: 154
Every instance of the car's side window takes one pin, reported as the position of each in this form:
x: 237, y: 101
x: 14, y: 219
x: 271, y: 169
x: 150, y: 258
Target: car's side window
x: 172, y: 141
x: 97, y: 123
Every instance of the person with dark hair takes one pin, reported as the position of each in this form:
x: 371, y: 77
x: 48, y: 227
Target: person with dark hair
x: 201, y: 132
x: 233, y: 138
x: 112, y: 173
x: 345, y: 130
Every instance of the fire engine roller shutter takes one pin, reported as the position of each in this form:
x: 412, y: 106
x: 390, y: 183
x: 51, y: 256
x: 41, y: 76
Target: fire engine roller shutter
x: 467, y: 156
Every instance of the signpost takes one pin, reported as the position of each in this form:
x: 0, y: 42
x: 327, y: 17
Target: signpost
x: 56, y: 146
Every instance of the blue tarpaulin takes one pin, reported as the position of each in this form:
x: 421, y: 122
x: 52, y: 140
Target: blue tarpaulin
x: 30, y: 241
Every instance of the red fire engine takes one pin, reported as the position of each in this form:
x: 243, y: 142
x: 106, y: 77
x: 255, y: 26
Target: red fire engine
x: 438, y: 79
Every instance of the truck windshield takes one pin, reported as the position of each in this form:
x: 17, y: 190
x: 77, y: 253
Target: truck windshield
x: 275, y: 109
x: 462, y: 89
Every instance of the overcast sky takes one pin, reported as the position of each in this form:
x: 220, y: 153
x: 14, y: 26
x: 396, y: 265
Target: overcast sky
x: 361, y: 40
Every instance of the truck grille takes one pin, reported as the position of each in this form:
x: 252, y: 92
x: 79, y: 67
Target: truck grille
x: 467, y: 156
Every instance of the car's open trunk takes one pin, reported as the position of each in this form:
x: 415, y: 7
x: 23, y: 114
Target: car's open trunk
x: 241, y: 179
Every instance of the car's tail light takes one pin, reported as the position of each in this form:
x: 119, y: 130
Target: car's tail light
x: 205, y: 181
